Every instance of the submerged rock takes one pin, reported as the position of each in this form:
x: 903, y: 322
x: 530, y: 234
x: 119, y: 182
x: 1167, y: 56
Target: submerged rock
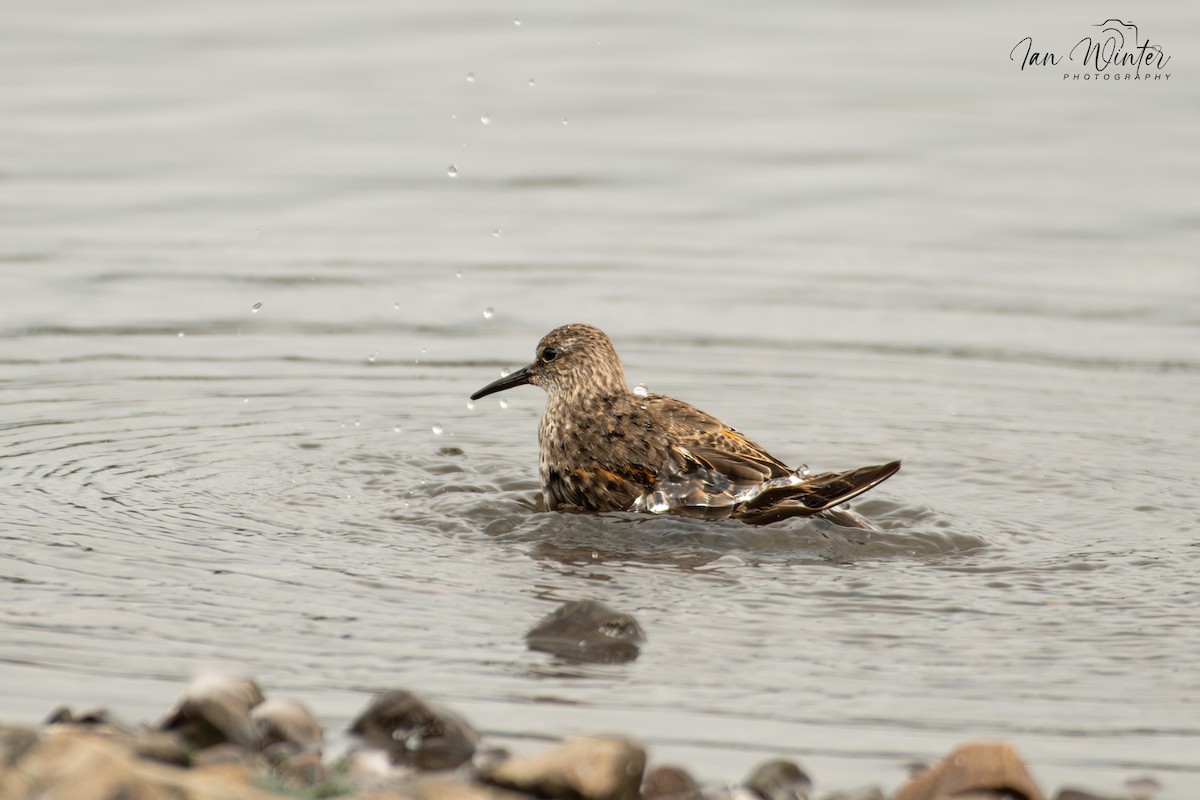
x: 579, y: 768
x: 415, y: 732
x: 986, y: 769
x: 779, y: 779
x: 588, y: 630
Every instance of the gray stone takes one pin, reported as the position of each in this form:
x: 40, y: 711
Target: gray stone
x: 415, y: 732
x: 779, y: 779
x: 215, y: 710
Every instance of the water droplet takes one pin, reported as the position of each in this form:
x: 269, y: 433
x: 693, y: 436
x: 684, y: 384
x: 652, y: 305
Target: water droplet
x: 452, y: 171
x: 532, y: 82
x: 437, y: 429
x: 182, y: 334
x: 503, y: 403
x: 454, y: 116
x: 254, y: 308
x: 489, y: 312
x: 517, y: 22
x: 458, y: 274
x: 397, y: 429
x: 470, y: 77
x: 497, y: 233
x: 470, y: 405
x: 358, y: 423
x: 566, y: 120
x: 371, y: 358
x: 640, y: 390
x: 245, y: 399
x: 486, y: 119
x: 396, y: 306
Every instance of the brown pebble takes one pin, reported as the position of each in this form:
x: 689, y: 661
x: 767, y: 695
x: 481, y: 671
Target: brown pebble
x: 164, y: 746
x: 297, y: 770
x: 870, y: 793
x: 444, y: 786
x: 978, y: 767
x: 579, y: 768
x: 290, y: 722
x: 219, y: 754
x: 81, y: 765
x: 670, y: 783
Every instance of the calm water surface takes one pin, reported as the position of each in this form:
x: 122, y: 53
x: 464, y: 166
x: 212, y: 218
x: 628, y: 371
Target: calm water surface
x: 857, y: 234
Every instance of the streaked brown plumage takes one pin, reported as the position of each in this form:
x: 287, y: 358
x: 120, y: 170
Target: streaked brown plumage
x: 606, y: 448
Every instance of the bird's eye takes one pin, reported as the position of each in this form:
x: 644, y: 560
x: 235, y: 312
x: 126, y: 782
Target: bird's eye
x: 549, y: 354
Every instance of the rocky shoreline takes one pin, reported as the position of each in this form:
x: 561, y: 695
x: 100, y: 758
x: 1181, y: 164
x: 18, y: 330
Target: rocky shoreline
x: 225, y: 740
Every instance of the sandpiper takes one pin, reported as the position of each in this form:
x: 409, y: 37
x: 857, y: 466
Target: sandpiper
x: 607, y: 448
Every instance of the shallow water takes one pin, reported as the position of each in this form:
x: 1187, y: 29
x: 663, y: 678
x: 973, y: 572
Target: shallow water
x: 858, y: 234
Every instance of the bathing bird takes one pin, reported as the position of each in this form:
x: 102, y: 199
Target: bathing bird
x: 604, y: 447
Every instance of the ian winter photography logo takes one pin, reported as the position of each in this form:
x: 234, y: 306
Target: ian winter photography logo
x: 1116, y: 52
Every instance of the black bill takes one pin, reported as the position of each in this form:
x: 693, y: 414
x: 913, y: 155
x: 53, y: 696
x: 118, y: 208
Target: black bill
x: 518, y: 378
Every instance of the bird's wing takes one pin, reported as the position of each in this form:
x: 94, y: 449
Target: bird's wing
x: 817, y: 494
x: 714, y: 444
